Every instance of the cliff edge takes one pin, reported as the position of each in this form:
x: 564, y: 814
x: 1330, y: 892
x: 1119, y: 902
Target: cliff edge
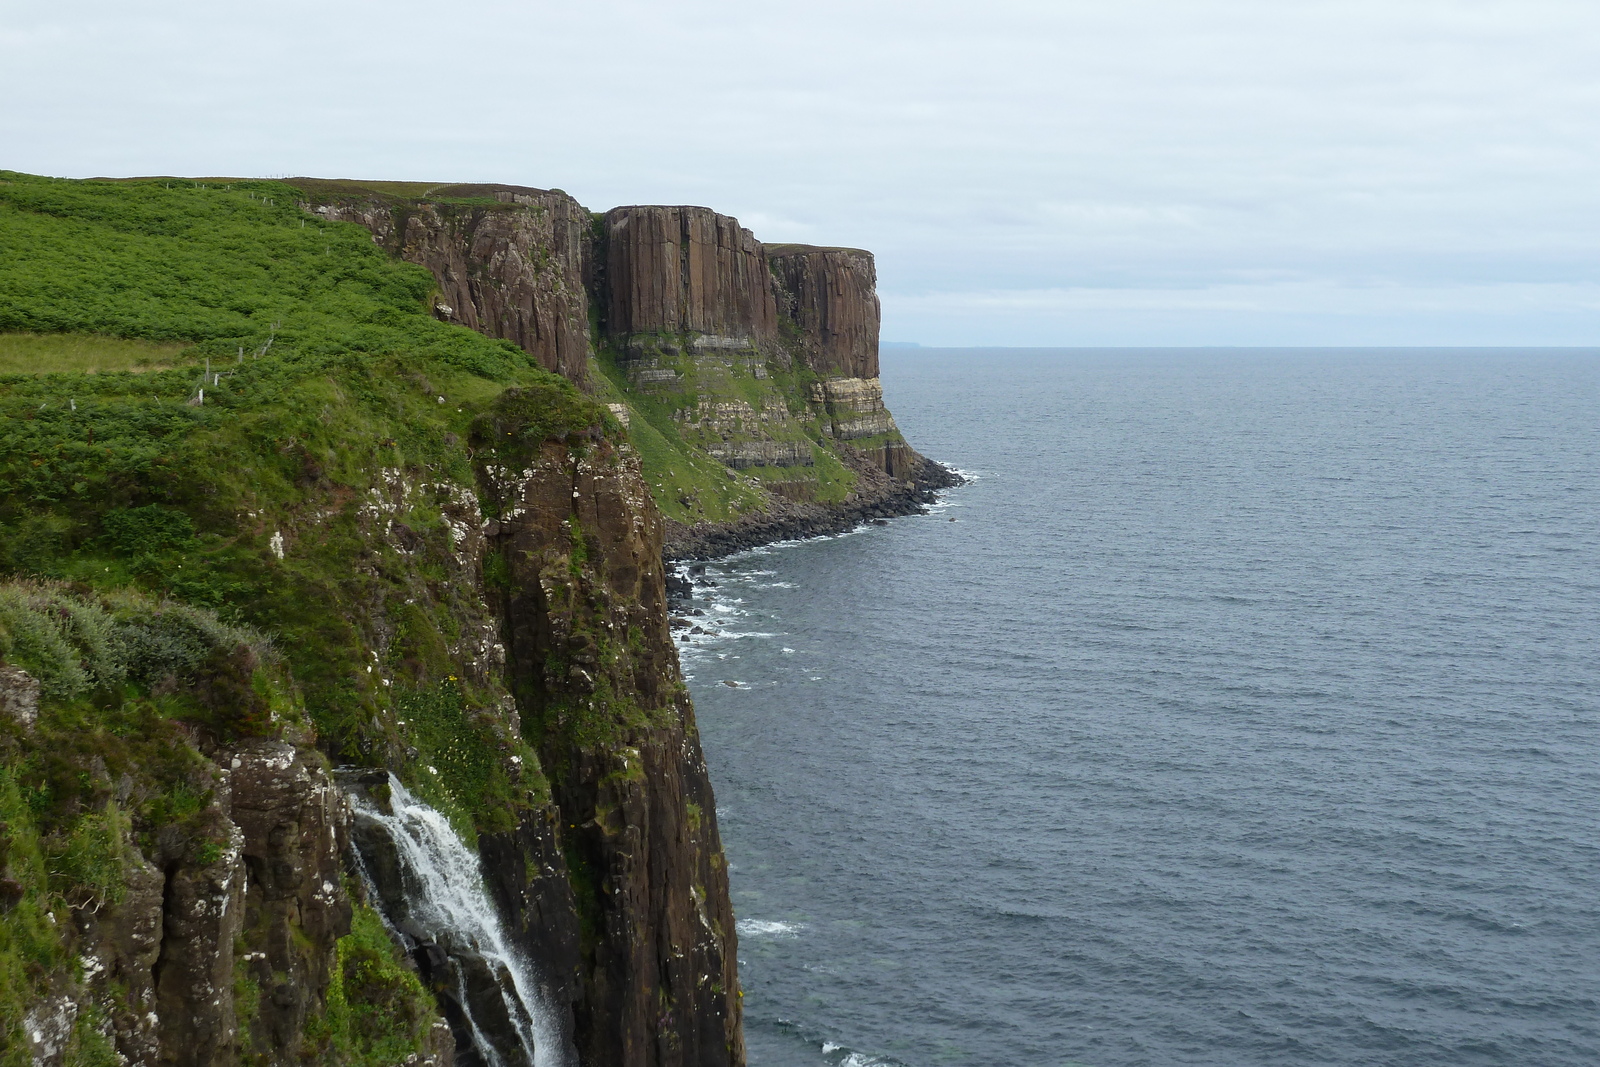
x: 340, y: 721
x: 276, y: 529
x: 746, y: 374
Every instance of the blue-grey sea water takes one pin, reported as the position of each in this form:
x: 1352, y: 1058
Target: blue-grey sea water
x: 1243, y: 709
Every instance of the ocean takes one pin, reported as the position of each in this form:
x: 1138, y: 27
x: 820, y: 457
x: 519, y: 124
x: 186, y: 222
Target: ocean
x: 1243, y: 708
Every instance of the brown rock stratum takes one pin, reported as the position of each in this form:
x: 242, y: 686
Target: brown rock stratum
x: 514, y: 270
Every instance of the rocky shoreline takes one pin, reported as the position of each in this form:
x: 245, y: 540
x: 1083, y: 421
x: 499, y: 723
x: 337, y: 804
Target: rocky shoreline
x: 877, y: 497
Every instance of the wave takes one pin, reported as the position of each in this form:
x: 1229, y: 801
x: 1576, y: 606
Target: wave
x: 838, y: 1055
x: 767, y: 928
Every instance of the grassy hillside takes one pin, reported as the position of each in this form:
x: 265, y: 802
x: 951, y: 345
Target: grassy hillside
x: 65, y: 353
x: 321, y: 369
x: 222, y: 419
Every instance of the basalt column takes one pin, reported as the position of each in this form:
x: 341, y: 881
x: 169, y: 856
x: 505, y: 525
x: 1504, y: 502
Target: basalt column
x: 831, y: 295
x: 686, y: 270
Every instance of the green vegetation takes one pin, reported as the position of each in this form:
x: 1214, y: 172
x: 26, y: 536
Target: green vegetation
x: 377, y: 1012
x: 326, y: 370
x: 88, y: 1045
x: 46, y: 353
x: 229, y: 427
x: 129, y: 682
x: 74, y: 644
x: 827, y: 480
x: 607, y: 716
x: 688, y: 484
x: 462, y: 761
x: 220, y: 419
x: 399, y: 194
x: 31, y: 947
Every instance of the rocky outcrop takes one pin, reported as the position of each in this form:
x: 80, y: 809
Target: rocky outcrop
x: 854, y: 407
x: 854, y: 411
x: 831, y: 296
x: 527, y: 877
x: 262, y: 866
x: 686, y: 270
x: 736, y: 433
x: 877, y: 496
x: 122, y: 943
x: 294, y: 828
x: 512, y: 268
x: 19, y: 695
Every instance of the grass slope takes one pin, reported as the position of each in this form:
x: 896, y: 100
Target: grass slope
x: 325, y: 370
x: 327, y: 385
x: 66, y: 353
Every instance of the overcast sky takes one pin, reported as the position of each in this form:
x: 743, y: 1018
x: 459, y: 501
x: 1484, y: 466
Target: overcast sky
x: 1124, y: 172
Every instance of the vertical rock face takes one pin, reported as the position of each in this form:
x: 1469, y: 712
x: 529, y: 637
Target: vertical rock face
x: 686, y: 270
x: 514, y: 270
x: 831, y: 295
x: 598, y: 688
x: 689, y: 302
x: 294, y: 826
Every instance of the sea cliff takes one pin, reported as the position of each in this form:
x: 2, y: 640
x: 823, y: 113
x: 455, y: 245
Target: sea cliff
x: 305, y: 485
x: 747, y: 373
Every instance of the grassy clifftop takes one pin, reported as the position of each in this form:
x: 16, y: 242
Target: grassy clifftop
x: 221, y: 418
x: 224, y: 419
x: 326, y: 383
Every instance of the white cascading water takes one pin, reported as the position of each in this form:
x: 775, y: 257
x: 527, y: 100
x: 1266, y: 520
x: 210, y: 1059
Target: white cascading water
x: 451, y: 906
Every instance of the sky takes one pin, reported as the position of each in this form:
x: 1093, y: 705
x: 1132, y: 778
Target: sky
x: 1124, y: 172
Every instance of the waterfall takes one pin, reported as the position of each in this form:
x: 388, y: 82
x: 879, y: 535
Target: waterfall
x: 429, y: 887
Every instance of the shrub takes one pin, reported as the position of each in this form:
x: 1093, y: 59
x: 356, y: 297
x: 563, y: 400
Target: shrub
x: 147, y: 531
x: 87, y: 862
x: 76, y: 644
x: 31, y: 640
